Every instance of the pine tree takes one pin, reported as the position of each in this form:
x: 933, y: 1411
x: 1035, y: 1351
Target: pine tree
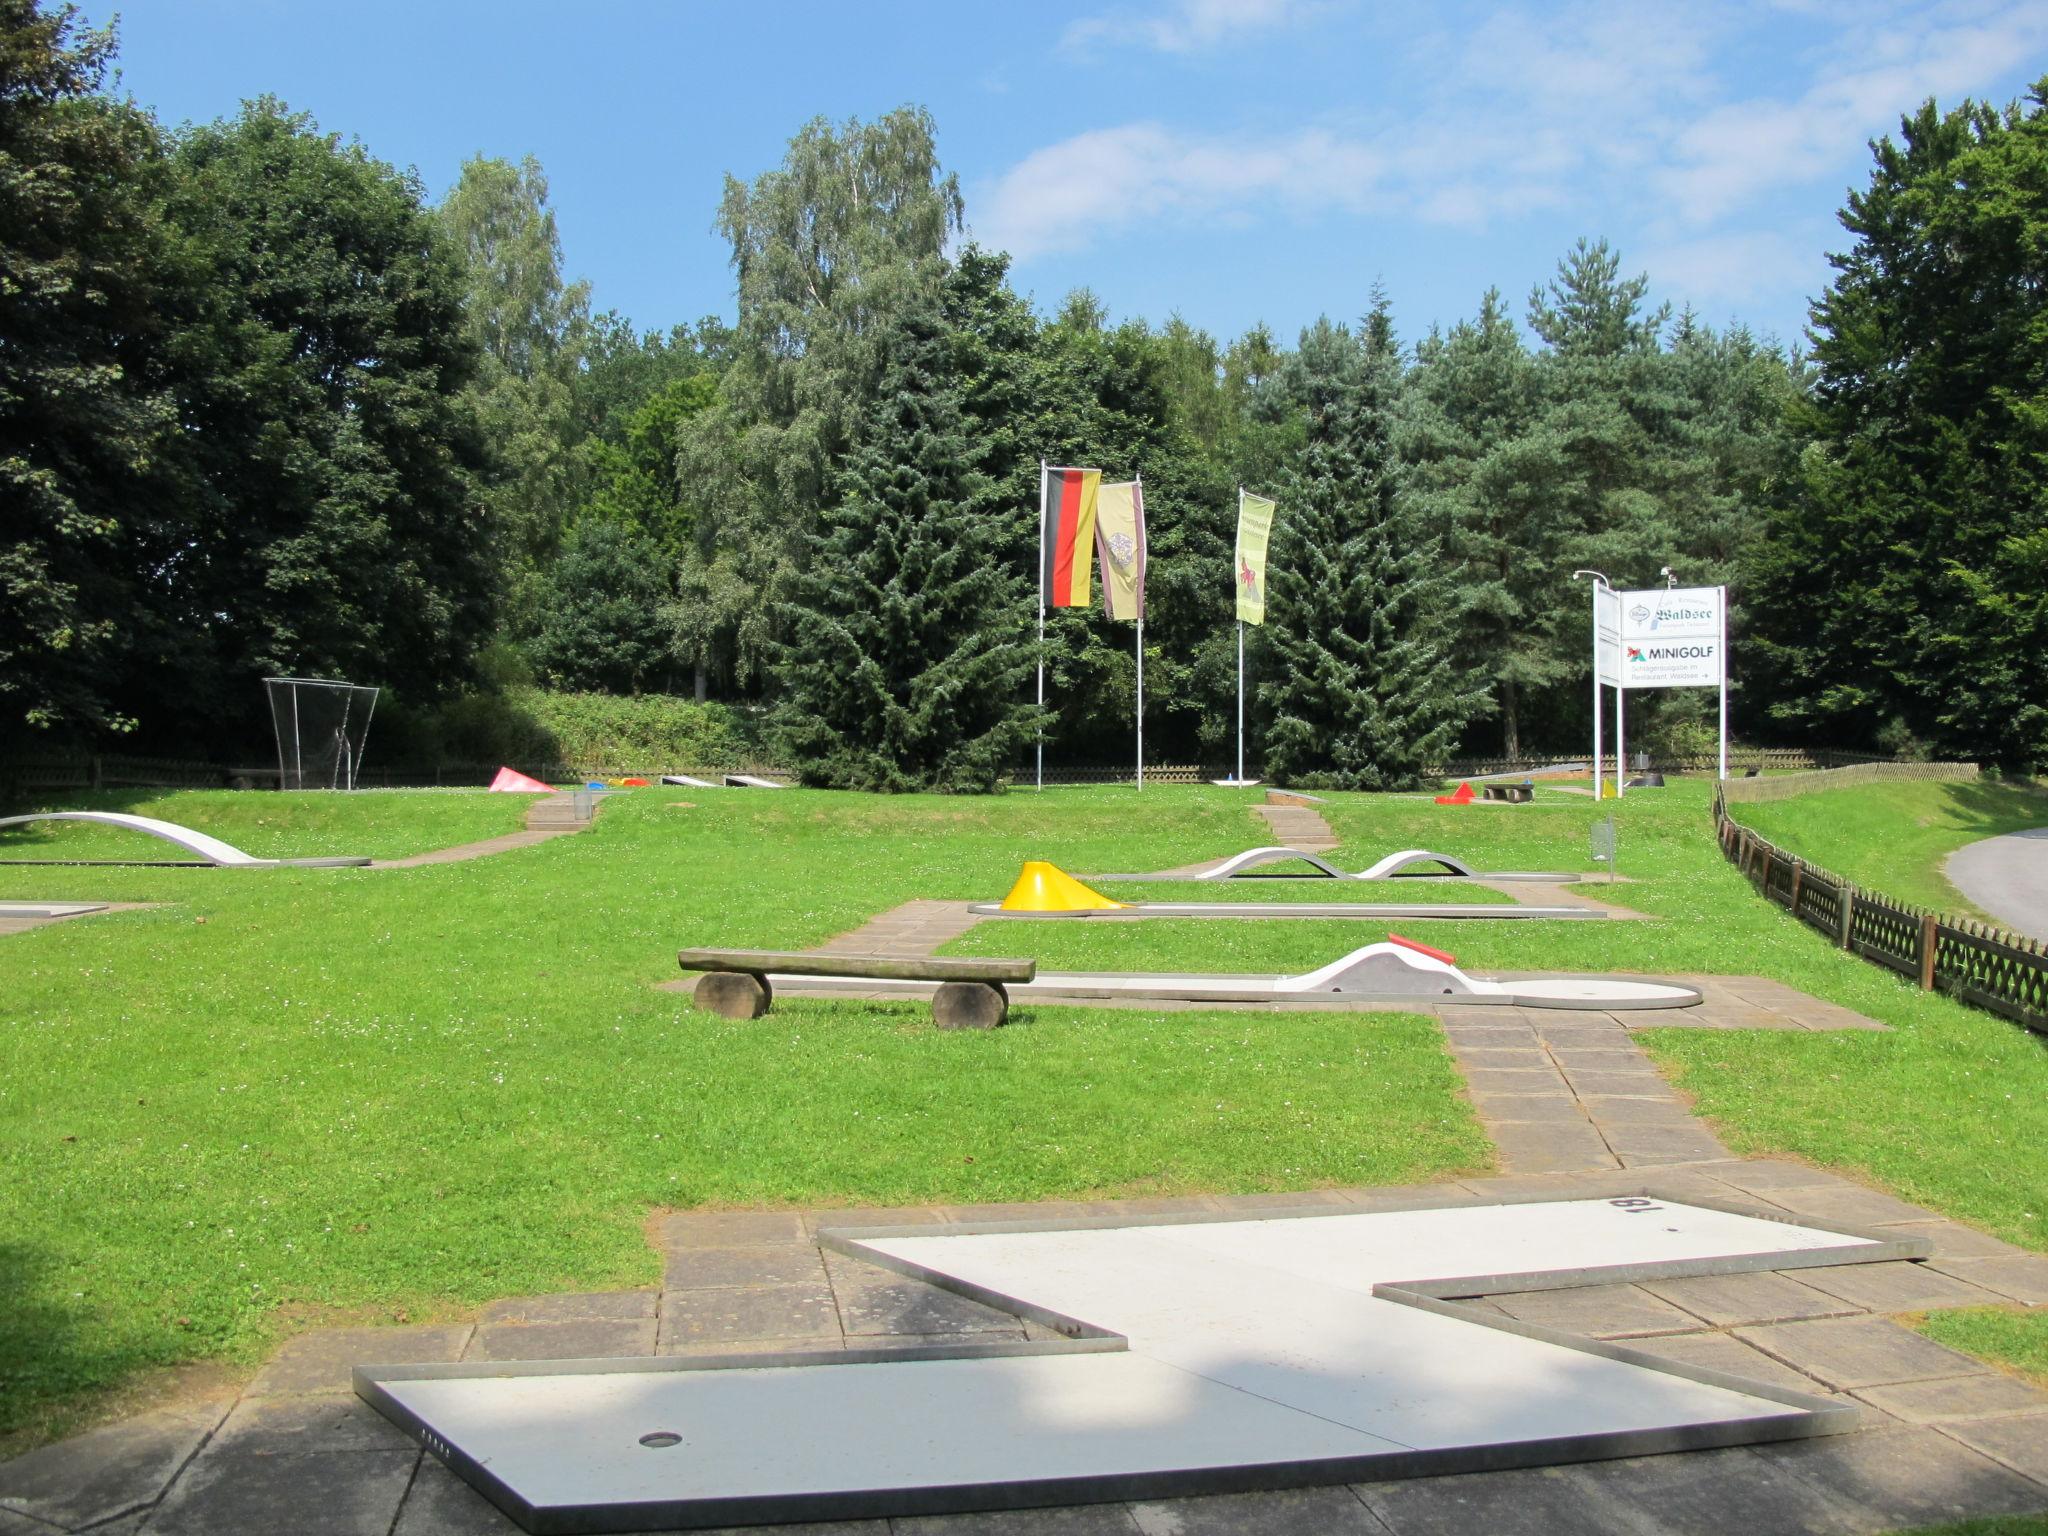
x: 1365, y: 691
x: 908, y: 653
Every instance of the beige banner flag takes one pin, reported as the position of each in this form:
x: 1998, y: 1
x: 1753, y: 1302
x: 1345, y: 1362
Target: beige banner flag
x: 1120, y: 542
x: 1254, y: 527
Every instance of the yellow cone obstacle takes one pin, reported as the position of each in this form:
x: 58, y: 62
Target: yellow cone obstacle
x: 1044, y: 887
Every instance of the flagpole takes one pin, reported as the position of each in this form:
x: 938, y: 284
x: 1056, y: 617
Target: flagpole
x: 1041, y: 625
x: 1138, y: 498
x: 1240, y: 648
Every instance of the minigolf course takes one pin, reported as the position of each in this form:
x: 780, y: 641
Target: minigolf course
x: 1045, y: 891
x: 1393, y: 970
x: 205, y: 850
x: 1198, y: 1356
x: 1408, y: 864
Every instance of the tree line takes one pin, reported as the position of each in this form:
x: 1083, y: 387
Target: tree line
x: 267, y: 407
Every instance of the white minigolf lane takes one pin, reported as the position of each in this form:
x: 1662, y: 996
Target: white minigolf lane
x: 1262, y: 1352
x: 211, y: 849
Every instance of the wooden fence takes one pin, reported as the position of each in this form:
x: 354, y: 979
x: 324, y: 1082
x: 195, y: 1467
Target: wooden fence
x: 1987, y: 966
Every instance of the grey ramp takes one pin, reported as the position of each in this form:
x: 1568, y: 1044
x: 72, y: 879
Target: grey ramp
x: 210, y: 849
x: 49, y: 908
x: 2008, y: 877
x: 687, y: 782
x: 1211, y: 1355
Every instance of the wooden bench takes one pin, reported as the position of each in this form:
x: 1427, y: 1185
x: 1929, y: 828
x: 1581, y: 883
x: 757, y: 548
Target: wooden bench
x: 970, y: 995
x: 1520, y: 794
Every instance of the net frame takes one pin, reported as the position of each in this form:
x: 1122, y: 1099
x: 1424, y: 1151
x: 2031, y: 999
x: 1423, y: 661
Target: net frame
x: 321, y: 746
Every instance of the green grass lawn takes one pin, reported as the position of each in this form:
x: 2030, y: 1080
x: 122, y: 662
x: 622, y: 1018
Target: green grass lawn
x: 1893, y: 838
x: 284, y: 1095
x: 281, y: 1096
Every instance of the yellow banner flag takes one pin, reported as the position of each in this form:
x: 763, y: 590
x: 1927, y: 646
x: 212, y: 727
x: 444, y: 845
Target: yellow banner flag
x: 1120, y: 544
x: 1254, y: 527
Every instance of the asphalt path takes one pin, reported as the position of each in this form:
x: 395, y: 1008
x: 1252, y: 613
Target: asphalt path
x: 2007, y: 877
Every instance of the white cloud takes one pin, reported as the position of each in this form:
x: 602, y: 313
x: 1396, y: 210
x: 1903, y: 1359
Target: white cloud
x: 1185, y: 26
x: 1736, y: 268
x: 1731, y: 153
x: 1068, y: 195
x: 1644, y: 113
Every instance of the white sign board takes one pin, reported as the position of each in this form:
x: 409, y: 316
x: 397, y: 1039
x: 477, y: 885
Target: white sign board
x: 1606, y: 637
x: 1673, y: 638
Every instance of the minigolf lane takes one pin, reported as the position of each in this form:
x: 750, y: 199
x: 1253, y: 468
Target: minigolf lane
x: 1200, y: 1356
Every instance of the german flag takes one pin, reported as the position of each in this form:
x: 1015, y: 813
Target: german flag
x: 1068, y: 520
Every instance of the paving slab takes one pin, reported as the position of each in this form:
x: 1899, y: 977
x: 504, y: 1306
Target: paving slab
x: 1855, y: 1206
x: 878, y: 1301
x: 1764, y: 1176
x: 1728, y: 1301
x: 592, y: 1339
x: 1540, y: 1148
x: 2021, y: 1277
x: 1629, y: 1085
x: 1847, y: 1353
x: 1074, y: 1520
x: 324, y: 1361
x: 1597, y: 1311
x: 729, y: 1229
x: 2019, y: 1442
x: 1527, y: 1108
x: 1307, y: 1511
x: 1896, y: 1478
x: 343, y: 1493
x: 1900, y: 1286
x: 441, y: 1504
x: 327, y: 1421
x: 1964, y: 1397
x: 1714, y: 1493
x: 97, y: 1475
x: 1541, y: 1501
x: 784, y: 1264
x: 733, y: 1316
x: 1723, y: 1352
x: 1955, y: 1240
x: 596, y: 1306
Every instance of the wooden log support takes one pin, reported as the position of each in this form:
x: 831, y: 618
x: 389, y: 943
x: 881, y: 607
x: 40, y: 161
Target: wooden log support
x: 1798, y: 878
x: 736, y: 984
x: 1930, y: 943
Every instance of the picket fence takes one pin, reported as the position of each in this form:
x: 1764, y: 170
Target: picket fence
x: 1975, y: 962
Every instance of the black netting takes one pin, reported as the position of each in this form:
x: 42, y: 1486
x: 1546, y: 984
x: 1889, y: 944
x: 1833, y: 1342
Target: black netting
x: 321, y: 729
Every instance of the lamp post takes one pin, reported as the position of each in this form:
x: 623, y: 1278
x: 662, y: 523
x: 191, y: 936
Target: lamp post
x: 1599, y: 581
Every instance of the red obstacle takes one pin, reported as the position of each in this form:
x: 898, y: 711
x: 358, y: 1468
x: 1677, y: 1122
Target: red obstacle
x: 1463, y: 796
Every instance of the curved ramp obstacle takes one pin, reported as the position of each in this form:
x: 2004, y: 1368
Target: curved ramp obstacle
x: 1045, y: 890
x: 1395, y: 866
x: 210, y: 850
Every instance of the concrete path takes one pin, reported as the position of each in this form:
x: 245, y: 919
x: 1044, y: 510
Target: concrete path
x: 554, y: 816
x: 2007, y: 877
x: 1296, y: 825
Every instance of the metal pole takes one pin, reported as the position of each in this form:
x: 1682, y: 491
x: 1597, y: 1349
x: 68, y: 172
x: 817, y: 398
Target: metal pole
x: 1240, y: 699
x: 1724, y: 682
x: 1598, y: 745
x: 1620, y: 743
x: 1141, y: 698
x: 1041, y: 625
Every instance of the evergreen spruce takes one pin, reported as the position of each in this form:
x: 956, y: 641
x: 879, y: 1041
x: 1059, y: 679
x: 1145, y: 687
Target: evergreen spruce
x: 908, y: 653
x: 1367, y: 693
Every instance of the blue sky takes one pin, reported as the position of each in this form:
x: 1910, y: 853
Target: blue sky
x: 1234, y: 160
